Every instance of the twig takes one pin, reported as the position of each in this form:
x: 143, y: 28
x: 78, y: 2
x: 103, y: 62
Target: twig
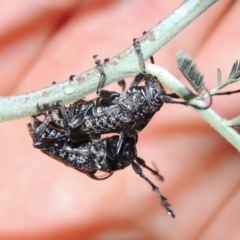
x: 209, y: 115
x: 121, y: 66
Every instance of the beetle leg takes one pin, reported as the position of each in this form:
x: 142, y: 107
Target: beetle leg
x: 55, y: 105
x: 120, y: 143
x: 142, y: 163
x: 164, y: 201
x: 137, y: 47
x: 36, y: 127
x: 91, y: 175
x: 151, y: 57
x: 122, y: 84
x: 79, y: 118
x: 140, y: 77
x: 103, y: 75
x: 103, y: 95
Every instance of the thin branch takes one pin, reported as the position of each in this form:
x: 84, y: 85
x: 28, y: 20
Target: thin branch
x: 235, y: 122
x: 209, y: 115
x: 121, y: 66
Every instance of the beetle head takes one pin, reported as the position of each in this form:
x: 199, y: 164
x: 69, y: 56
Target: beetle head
x: 153, y: 91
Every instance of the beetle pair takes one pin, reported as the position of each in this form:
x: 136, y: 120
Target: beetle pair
x: 126, y: 113
x: 72, y: 135
x: 90, y: 156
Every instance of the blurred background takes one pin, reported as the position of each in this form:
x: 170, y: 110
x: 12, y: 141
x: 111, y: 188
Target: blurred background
x: 46, y: 41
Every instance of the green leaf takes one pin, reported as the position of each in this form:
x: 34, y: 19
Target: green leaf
x: 219, y: 77
x: 189, y: 69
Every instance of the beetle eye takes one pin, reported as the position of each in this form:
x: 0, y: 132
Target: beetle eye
x: 156, y: 95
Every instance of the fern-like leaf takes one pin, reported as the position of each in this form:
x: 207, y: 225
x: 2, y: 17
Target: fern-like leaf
x: 189, y: 69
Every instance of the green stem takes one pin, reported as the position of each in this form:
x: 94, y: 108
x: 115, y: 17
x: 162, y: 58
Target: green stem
x: 121, y: 66
x: 209, y: 115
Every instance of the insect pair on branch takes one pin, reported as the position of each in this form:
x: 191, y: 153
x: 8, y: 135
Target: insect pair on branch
x: 73, y: 134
